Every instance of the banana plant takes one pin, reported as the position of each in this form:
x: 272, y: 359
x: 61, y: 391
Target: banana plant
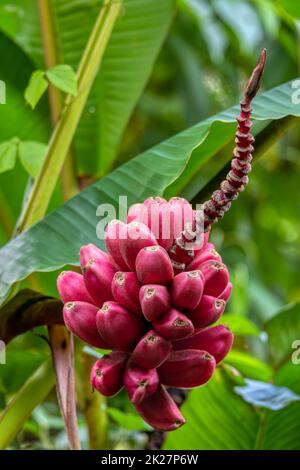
x: 84, y: 67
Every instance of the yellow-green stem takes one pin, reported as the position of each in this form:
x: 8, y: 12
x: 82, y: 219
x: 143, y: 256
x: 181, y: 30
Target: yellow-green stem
x: 52, y: 58
x: 66, y: 126
x: 33, y: 392
x: 93, y: 407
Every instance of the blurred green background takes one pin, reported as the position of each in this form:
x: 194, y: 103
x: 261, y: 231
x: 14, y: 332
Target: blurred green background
x: 210, y: 49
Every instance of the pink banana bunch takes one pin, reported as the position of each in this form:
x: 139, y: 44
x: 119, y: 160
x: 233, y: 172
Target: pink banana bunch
x: 152, y: 304
x: 153, y: 298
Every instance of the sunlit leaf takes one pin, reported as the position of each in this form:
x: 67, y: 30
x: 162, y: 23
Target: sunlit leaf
x: 130, y: 421
x: 239, y: 325
x: 32, y: 155
x: 291, y: 6
x: 36, y: 88
x: 249, y: 366
x: 64, y: 78
x: 8, y: 155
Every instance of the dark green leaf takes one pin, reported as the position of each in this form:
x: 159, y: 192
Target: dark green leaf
x: 17, y: 118
x: 283, y: 329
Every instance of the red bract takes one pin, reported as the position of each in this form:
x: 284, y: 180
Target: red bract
x: 152, y: 305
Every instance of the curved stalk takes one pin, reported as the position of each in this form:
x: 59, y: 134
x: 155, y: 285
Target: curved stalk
x: 33, y: 392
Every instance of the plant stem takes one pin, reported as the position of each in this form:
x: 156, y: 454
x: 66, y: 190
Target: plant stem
x: 6, y: 217
x: 66, y: 126
x: 62, y: 348
x: 51, y: 54
x: 52, y: 58
x: 62, y: 358
x: 93, y: 407
x: 264, y: 414
x: 33, y: 392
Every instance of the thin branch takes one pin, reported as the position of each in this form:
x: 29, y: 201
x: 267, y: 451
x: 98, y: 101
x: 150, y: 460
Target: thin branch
x: 27, y: 310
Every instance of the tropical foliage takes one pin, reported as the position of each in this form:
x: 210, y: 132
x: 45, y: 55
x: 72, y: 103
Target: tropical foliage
x: 138, y: 98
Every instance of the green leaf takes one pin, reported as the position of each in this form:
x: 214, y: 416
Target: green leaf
x: 219, y: 419
x: 214, y: 414
x: 64, y: 78
x: 126, y: 67
x: 130, y: 421
x: 40, y: 194
x: 32, y: 155
x: 283, y: 431
x: 239, y: 325
x: 30, y: 360
x: 273, y: 104
x: 283, y: 329
x: 292, y: 7
x: 8, y: 155
x: 36, y: 88
x: 9, y: 20
x: 56, y: 240
x: 32, y: 393
x: 249, y: 366
x: 17, y: 116
x: 266, y: 395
